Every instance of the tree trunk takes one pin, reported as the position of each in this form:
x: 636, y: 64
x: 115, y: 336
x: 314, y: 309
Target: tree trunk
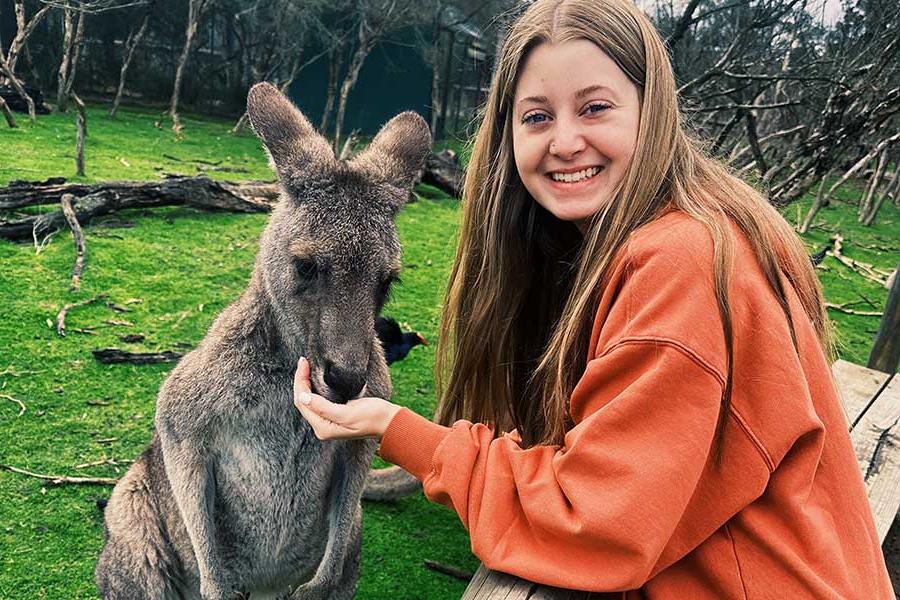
x: 4, y: 108
x: 76, y: 52
x: 14, y: 81
x: 366, y: 43
x: 194, y: 9
x: 885, y: 354
x: 81, y: 133
x: 63, y: 75
x: 23, y: 30
x: 890, y: 190
x: 130, y: 45
x: 456, y: 103
x: 334, y: 70
x: 445, y: 92
x: 818, y: 203
x: 754, y: 143
x: 865, y: 204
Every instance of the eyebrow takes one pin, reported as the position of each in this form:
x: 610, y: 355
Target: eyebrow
x: 580, y: 94
x: 302, y: 249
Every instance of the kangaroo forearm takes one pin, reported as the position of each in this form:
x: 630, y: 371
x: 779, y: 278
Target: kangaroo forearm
x: 193, y: 487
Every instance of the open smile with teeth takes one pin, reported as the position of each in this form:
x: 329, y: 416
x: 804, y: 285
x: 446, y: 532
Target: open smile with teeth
x: 575, y: 177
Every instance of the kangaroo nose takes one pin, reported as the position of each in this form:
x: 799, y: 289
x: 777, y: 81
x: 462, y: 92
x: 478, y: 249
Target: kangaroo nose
x: 346, y: 383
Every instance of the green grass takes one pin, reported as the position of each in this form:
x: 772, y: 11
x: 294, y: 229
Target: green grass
x: 178, y: 268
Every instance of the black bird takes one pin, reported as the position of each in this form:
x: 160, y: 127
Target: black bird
x: 819, y: 256
x: 396, y: 344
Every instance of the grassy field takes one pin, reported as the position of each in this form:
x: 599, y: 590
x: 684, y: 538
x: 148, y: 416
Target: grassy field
x: 175, y: 269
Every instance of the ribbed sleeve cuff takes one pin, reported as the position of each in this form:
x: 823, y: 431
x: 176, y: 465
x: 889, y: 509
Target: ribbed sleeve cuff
x: 410, y: 441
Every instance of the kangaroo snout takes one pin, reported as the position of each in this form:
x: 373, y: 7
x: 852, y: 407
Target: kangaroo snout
x: 346, y: 383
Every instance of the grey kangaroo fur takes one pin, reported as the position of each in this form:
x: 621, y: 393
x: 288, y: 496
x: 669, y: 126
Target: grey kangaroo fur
x: 235, y: 495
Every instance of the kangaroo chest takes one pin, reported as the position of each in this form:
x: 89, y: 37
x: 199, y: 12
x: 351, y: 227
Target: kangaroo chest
x: 275, y: 485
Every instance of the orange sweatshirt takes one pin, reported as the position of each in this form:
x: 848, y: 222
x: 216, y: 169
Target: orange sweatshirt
x: 633, y: 502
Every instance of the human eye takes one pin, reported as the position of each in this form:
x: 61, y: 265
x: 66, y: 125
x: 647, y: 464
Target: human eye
x: 595, y: 108
x: 534, y: 118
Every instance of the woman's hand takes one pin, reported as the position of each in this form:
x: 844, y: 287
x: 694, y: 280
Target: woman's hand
x: 360, y: 418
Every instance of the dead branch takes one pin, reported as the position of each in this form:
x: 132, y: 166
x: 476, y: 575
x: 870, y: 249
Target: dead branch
x: 104, y: 461
x: 17, y: 401
x: 448, y: 570
x: 78, y: 234
x: 63, y: 479
x: 843, y: 308
x: 61, y: 316
x: 115, y: 323
x: 115, y: 355
x: 868, y: 271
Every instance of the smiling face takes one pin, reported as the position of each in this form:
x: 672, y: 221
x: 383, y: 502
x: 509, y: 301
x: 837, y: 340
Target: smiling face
x: 575, y: 125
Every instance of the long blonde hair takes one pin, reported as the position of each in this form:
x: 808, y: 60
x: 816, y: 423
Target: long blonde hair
x: 524, y: 285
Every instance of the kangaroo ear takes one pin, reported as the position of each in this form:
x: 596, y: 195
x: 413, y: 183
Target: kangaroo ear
x: 398, y: 151
x: 290, y: 139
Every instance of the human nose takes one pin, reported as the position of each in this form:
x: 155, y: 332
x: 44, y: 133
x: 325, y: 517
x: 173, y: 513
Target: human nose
x: 567, y: 139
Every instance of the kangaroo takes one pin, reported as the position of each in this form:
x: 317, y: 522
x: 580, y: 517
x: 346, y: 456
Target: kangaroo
x: 235, y: 496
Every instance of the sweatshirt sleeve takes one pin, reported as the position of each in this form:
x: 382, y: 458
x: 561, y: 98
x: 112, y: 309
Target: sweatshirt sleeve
x: 598, y: 512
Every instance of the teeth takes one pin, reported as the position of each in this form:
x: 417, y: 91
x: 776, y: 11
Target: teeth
x: 574, y: 177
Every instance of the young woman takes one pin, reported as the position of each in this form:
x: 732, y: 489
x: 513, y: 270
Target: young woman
x: 638, y: 393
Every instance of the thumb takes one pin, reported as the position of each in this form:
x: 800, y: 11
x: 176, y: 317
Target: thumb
x: 301, y: 378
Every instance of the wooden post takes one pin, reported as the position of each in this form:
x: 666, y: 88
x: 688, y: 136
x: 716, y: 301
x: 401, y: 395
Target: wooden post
x: 886, y: 351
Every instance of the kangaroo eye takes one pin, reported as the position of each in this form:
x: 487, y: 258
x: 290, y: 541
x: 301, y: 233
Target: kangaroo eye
x: 307, y: 270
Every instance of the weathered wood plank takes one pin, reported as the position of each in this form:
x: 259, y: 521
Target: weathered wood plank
x: 857, y: 386
x: 477, y: 582
x: 494, y: 585
x: 876, y: 440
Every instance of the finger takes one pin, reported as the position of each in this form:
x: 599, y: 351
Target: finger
x: 336, y: 413
x: 301, y: 379
x: 322, y: 428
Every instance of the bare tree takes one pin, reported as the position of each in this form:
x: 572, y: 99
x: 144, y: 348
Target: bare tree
x: 73, y: 39
x: 376, y: 17
x: 195, y: 12
x: 784, y: 96
x: 273, y: 36
x: 24, y: 28
x: 131, y: 43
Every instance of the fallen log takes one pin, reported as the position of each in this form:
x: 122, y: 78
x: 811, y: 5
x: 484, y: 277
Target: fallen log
x: 443, y: 171
x: 114, y: 355
x: 92, y: 200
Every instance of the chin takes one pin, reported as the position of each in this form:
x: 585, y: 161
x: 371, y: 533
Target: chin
x: 573, y: 214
